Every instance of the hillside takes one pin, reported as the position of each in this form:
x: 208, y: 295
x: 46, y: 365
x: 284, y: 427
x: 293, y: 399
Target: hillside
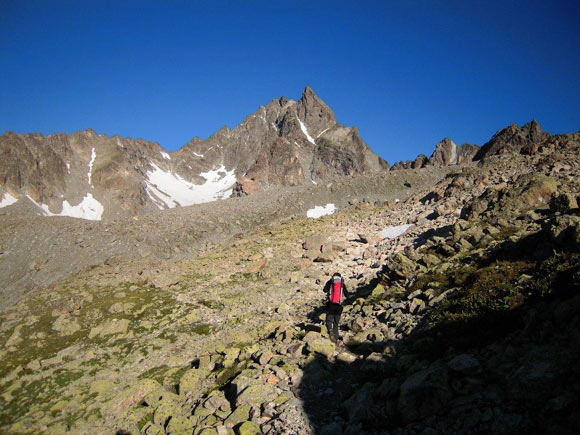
x: 464, y: 316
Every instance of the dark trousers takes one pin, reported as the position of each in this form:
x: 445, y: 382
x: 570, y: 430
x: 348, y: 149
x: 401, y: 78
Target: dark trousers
x: 333, y: 312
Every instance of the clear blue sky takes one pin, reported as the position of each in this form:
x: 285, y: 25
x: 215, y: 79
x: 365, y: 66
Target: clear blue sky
x: 406, y: 72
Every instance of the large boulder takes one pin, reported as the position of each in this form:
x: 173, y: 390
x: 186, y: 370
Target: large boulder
x: 424, y: 393
x: 257, y: 394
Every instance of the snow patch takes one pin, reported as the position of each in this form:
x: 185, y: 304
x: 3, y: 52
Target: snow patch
x: 93, y: 157
x: 172, y: 190
x: 394, y: 232
x: 89, y: 208
x: 320, y: 211
x: 165, y: 155
x: 68, y: 167
x: 322, y: 132
x: 7, y: 200
x: 197, y: 155
x: 303, y: 128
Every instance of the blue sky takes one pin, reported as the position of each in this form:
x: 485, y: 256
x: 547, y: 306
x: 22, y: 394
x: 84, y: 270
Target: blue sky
x: 406, y: 72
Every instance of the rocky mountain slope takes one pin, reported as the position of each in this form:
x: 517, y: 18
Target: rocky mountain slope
x: 92, y: 176
x: 464, y: 318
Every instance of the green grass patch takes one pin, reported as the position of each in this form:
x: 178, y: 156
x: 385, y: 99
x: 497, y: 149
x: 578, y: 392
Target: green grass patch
x: 201, y: 329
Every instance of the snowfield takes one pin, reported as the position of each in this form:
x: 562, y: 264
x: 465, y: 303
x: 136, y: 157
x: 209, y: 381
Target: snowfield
x: 394, y: 232
x: 89, y: 208
x: 320, y: 211
x: 168, y: 190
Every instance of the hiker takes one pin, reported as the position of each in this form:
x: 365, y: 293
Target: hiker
x: 337, y: 293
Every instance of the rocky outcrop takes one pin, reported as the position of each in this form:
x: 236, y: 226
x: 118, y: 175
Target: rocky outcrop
x: 513, y: 139
x: 446, y: 153
x: 466, y: 153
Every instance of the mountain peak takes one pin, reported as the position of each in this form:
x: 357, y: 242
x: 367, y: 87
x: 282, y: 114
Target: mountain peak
x: 308, y: 92
x: 314, y: 112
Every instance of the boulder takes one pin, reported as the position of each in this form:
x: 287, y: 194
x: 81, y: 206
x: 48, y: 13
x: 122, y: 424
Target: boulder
x: 562, y: 202
x: 245, y: 186
x: 370, y: 238
x: 110, y: 327
x: 379, y: 292
x: 66, y: 325
x: 563, y: 229
x: 424, y: 393
x: 239, y: 415
x: 256, y: 394
x: 179, y: 424
x: 361, y: 406
x: 401, y: 266
x: 465, y: 364
x: 190, y: 380
x: 326, y: 257
x: 314, y: 243
x: 263, y: 357
x: 321, y: 346
x: 417, y: 305
x: 249, y: 428
x: 231, y: 356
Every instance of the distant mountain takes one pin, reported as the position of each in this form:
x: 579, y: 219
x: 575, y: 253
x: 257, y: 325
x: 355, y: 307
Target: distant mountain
x: 93, y: 176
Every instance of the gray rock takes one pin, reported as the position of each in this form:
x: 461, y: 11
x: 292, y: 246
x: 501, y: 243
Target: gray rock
x: 424, y: 393
x: 465, y: 364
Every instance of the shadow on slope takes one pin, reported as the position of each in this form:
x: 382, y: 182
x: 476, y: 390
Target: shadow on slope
x: 498, y: 356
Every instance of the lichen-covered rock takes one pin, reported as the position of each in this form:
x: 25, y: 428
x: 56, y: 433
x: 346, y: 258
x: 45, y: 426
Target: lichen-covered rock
x: 257, y: 394
x: 249, y: 428
x: 231, y: 356
x: 180, y: 424
x: 66, y: 325
x: 138, y: 392
x: 110, y: 327
x: 239, y: 415
x: 190, y: 380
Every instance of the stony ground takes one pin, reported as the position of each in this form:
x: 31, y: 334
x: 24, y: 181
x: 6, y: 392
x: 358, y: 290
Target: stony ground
x: 465, y: 323
x: 35, y: 251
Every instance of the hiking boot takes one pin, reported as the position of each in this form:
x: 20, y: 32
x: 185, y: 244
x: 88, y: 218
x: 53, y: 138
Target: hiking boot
x: 331, y: 338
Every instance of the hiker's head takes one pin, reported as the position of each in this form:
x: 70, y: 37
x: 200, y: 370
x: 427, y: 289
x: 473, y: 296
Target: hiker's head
x: 337, y: 274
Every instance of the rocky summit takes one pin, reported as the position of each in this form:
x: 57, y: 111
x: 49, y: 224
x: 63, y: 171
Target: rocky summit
x: 92, y: 176
x: 464, y: 313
